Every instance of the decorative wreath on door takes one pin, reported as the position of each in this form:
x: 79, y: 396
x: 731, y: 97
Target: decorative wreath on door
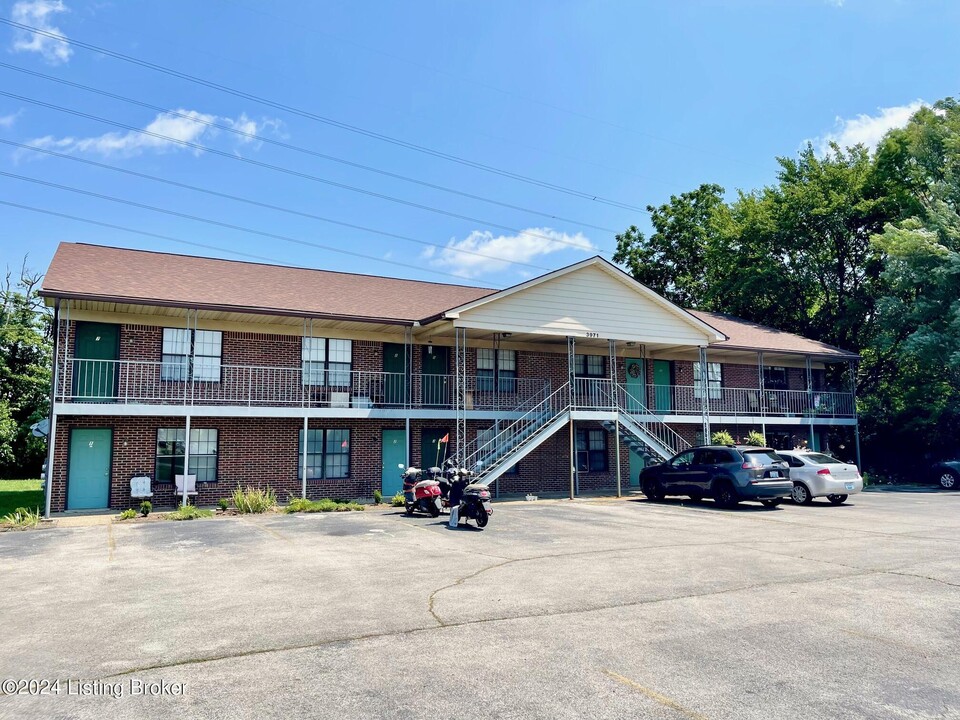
x: 634, y: 370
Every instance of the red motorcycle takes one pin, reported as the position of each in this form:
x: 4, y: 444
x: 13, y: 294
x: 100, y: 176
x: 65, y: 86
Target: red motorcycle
x: 420, y: 494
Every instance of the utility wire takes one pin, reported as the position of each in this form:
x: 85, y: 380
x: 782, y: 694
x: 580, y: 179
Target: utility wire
x: 288, y: 171
x: 320, y: 118
x: 300, y: 149
x: 146, y: 233
x: 258, y: 203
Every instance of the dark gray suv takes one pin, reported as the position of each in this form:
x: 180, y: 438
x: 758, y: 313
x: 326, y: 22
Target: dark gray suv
x: 727, y: 473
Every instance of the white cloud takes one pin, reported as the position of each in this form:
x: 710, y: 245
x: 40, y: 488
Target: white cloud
x: 865, y: 129
x: 180, y: 125
x: 497, y: 253
x: 38, y: 13
x: 7, y: 121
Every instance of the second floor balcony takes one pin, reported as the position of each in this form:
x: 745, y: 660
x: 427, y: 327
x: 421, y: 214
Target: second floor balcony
x: 164, y: 383
x: 127, y: 382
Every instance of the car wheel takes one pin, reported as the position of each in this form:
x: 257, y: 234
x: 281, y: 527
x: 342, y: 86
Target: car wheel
x: 800, y: 494
x: 948, y: 480
x: 770, y: 503
x: 653, y: 491
x: 837, y: 499
x: 726, y: 496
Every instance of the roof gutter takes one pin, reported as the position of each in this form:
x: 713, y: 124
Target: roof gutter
x: 57, y: 294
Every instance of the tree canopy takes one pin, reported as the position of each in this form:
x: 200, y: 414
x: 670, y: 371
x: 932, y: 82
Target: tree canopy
x: 852, y: 247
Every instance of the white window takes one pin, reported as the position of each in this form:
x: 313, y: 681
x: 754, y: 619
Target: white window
x: 496, y: 368
x: 327, y: 362
x: 328, y: 454
x: 714, y: 380
x: 190, y: 354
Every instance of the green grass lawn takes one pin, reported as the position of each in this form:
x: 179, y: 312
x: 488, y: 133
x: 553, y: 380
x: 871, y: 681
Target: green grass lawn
x: 20, y: 493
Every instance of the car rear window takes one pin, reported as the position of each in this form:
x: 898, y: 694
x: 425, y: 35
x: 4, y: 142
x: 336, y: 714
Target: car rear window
x: 821, y: 459
x: 762, y: 457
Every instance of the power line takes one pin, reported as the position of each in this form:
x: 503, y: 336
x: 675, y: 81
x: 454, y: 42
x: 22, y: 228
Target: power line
x: 299, y: 148
x: 489, y: 86
x: 258, y: 203
x: 322, y: 119
x: 208, y: 221
x: 158, y: 236
x: 288, y: 171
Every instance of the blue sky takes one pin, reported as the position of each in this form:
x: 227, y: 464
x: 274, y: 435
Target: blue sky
x: 625, y: 101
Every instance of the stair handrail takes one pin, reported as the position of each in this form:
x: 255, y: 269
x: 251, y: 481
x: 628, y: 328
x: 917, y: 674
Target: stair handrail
x: 545, y: 410
x: 657, y: 429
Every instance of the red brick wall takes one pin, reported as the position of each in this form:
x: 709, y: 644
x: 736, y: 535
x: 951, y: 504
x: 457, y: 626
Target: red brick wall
x: 259, y: 452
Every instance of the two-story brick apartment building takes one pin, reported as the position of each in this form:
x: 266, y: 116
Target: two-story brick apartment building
x: 567, y: 382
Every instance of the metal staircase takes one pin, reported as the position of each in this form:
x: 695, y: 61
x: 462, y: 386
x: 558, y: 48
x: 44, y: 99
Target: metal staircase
x: 642, y: 430
x: 491, y: 457
x: 645, y: 427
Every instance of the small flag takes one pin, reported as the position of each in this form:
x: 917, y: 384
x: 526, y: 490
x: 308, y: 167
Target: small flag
x: 445, y: 438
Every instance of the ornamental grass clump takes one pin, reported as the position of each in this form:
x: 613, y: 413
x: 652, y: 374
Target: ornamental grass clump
x: 188, y: 512
x: 398, y: 500
x: 128, y: 514
x: 254, y: 500
x: 326, y: 505
x: 22, y: 518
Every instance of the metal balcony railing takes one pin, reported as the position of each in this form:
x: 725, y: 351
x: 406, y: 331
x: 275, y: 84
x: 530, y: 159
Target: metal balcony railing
x: 159, y: 383
x: 688, y: 400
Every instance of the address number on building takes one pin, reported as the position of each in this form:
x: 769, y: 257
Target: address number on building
x: 593, y: 334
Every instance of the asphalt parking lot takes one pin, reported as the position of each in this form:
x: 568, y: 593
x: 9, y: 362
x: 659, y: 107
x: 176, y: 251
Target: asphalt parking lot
x: 558, y: 609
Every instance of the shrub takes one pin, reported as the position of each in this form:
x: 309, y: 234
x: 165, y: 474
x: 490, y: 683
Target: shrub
x: 223, y: 503
x: 146, y: 507
x: 188, y: 512
x: 128, y: 514
x: 325, y: 505
x: 377, y: 497
x: 398, y: 500
x: 22, y: 517
x: 721, y: 437
x: 254, y: 500
x: 756, y: 438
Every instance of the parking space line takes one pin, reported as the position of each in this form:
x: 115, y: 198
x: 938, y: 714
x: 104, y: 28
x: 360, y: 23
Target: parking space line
x: 657, y: 697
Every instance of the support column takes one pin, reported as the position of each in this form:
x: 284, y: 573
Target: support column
x: 460, y: 380
x: 572, y: 369
x: 810, y: 409
x: 762, y: 399
x: 705, y: 398
x: 52, y: 429
x: 303, y: 462
x: 853, y: 399
x: 186, y: 462
x: 573, y: 462
x: 615, y: 403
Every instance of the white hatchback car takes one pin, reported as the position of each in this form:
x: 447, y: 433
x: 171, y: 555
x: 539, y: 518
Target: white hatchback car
x: 817, y: 475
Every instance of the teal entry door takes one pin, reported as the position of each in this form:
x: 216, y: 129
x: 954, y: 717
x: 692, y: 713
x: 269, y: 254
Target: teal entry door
x: 637, y: 464
x: 394, y: 452
x: 88, y: 471
x: 662, y: 390
x: 96, y: 351
x: 636, y: 385
x: 395, y: 377
x: 436, y: 369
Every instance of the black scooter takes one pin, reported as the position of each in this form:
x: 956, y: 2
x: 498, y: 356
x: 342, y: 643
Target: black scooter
x: 475, y: 504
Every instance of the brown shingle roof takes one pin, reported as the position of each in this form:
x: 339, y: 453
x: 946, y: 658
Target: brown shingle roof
x: 743, y: 334
x: 137, y: 276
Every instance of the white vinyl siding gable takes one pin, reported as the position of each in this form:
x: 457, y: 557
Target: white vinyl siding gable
x: 580, y: 303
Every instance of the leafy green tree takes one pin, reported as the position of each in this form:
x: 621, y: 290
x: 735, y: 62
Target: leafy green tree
x: 25, y: 359
x: 673, y: 259
x: 914, y: 361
